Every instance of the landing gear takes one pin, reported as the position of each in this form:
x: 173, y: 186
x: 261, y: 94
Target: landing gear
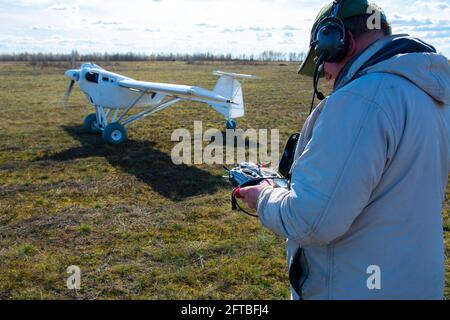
x: 115, y: 133
x: 90, y: 124
x: 112, y: 121
x: 99, y: 122
x: 231, y: 125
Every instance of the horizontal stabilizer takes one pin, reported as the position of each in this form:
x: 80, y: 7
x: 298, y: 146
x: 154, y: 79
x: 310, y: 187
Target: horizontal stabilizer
x: 234, y: 75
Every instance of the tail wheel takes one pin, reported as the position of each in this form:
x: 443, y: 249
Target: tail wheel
x: 231, y: 125
x: 115, y: 133
x: 90, y: 123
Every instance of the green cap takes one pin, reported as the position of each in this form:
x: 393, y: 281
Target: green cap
x: 347, y: 9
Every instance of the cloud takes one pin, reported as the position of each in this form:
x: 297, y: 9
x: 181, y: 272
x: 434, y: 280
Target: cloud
x: 263, y: 36
x: 288, y: 41
x: 88, y: 42
x: 30, y: 3
x: 114, y: 25
x: 290, y: 28
x: 206, y: 25
x: 200, y: 25
x: 401, y: 21
x: 63, y: 7
x: 260, y: 29
x: 125, y: 29
x: 256, y: 28
x: 47, y: 27
x: 425, y: 28
x: 106, y: 23
x: 445, y: 34
x: 431, y: 6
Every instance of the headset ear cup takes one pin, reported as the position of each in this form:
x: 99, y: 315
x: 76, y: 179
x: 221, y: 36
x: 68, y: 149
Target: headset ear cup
x: 331, y: 40
x: 343, y: 46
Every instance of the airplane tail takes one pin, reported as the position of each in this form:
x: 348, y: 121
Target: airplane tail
x: 230, y: 88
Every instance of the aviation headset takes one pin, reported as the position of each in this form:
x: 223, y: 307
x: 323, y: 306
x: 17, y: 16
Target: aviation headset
x: 330, y: 43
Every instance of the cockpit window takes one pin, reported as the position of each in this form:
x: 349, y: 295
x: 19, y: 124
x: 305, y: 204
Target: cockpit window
x: 92, y: 77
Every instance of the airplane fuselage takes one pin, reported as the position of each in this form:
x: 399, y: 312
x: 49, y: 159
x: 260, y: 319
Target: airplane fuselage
x: 102, y: 88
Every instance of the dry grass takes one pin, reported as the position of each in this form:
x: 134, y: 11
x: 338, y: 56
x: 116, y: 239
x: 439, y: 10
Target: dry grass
x: 137, y: 225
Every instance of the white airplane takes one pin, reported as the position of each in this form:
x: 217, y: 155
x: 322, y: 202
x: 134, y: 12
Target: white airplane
x: 113, y: 96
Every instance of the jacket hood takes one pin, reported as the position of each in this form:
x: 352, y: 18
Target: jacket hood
x: 407, y: 57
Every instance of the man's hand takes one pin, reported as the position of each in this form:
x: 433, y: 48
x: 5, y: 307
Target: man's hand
x: 250, y: 194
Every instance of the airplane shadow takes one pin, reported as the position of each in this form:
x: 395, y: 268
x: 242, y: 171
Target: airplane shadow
x: 234, y: 143
x: 145, y: 162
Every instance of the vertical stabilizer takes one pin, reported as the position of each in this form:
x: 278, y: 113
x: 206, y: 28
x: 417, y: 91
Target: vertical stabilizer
x: 230, y: 88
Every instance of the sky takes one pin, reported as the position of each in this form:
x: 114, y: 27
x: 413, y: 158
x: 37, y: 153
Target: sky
x: 192, y: 26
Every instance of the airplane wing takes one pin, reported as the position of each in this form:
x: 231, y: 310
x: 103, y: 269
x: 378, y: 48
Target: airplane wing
x: 175, y: 90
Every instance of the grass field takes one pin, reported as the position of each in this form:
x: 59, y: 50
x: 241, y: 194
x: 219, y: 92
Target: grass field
x: 138, y: 226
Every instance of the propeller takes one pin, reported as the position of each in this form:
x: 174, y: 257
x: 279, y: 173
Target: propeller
x: 73, y: 75
x: 68, y: 92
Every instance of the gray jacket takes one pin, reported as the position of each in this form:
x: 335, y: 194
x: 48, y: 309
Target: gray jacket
x: 368, y: 183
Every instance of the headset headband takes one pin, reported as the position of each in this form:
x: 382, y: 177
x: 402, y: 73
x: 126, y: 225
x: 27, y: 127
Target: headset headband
x: 335, y: 10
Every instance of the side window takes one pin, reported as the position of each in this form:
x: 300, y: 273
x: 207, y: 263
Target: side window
x: 92, y: 77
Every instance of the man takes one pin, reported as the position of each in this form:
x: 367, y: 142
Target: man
x: 363, y: 214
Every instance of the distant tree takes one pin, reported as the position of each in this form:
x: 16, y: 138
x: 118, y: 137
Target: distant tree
x: 40, y: 58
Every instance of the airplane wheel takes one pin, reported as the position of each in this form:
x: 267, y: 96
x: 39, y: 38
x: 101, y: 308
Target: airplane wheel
x: 90, y: 123
x: 231, y: 124
x: 115, y: 133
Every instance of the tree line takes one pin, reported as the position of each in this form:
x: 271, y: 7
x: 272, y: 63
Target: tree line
x: 266, y: 56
